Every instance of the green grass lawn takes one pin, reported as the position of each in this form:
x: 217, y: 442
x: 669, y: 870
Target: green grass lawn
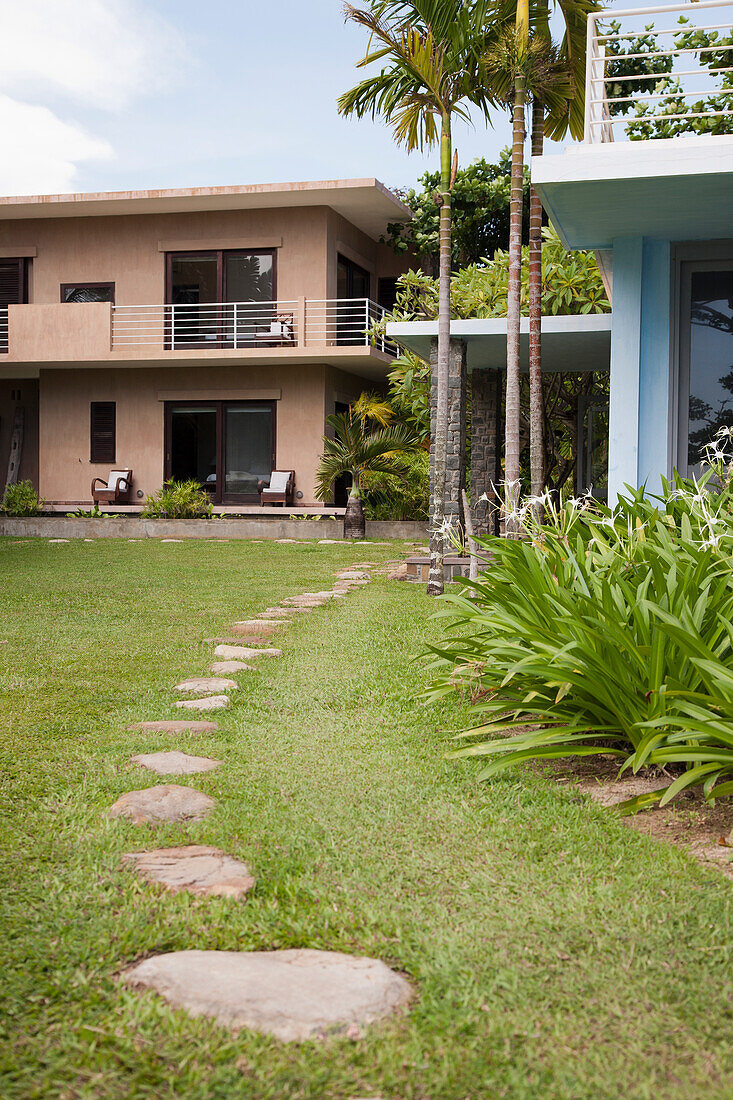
x: 556, y: 953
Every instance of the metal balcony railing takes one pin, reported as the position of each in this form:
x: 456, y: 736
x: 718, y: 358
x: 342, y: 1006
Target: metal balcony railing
x: 344, y: 322
x: 663, y: 71
x: 206, y: 325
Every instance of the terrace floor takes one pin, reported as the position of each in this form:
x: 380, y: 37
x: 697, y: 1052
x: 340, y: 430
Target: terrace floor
x: 555, y: 952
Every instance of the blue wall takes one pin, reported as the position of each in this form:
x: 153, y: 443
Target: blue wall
x: 639, y: 423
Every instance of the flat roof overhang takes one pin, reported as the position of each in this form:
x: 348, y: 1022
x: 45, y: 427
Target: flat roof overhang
x: 569, y: 343
x: 366, y: 203
x: 679, y: 189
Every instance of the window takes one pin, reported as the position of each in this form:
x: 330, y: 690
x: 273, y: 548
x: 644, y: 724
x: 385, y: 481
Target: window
x: 198, y: 281
x: 103, y: 431
x: 387, y: 292
x: 87, y: 292
x: 352, y: 290
x: 13, y: 282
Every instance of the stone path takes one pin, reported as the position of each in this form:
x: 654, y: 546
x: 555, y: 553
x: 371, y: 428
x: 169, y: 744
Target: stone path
x: 175, y: 763
x: 155, y: 804
x: 196, y: 868
x: 292, y: 995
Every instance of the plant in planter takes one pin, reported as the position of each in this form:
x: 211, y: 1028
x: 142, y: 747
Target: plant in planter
x: 364, y: 441
x: 21, y: 500
x: 178, y: 500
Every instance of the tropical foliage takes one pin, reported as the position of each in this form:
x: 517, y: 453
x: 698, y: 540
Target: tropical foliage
x: 363, y: 441
x: 401, y: 497
x: 178, y: 500
x: 21, y: 499
x: 480, y: 215
x: 605, y: 632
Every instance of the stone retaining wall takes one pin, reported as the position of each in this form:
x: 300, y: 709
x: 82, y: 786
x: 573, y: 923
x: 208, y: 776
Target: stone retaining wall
x: 248, y: 527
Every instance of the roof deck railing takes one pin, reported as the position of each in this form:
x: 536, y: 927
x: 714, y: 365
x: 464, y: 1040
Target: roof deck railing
x: 655, y: 82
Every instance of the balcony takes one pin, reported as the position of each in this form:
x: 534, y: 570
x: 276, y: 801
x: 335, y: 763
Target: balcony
x: 656, y: 69
x: 335, y: 330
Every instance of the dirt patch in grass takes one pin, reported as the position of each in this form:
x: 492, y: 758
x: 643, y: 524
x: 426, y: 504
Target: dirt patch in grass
x: 688, y: 821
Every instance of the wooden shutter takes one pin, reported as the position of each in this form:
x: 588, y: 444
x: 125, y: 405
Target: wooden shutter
x: 103, y: 431
x: 12, y: 283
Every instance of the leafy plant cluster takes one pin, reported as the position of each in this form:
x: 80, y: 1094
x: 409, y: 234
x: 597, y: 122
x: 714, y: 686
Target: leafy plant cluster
x: 400, y: 497
x: 708, y: 47
x: 604, y: 631
x: 21, y: 499
x: 179, y: 500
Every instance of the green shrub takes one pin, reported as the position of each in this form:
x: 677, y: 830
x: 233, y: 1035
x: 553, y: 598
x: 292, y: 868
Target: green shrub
x: 179, y: 500
x: 612, y: 631
x: 22, y: 500
x: 387, y: 496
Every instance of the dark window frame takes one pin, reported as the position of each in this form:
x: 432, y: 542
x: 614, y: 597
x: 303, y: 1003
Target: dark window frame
x: 220, y: 254
x: 81, y: 285
x: 94, y: 456
x: 219, y: 497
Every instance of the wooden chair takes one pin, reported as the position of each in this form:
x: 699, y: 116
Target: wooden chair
x: 281, y: 489
x: 114, y: 491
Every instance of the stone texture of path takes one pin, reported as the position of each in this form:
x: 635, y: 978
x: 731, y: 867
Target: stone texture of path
x: 292, y: 995
x: 234, y: 652
x: 196, y: 868
x: 203, y: 684
x: 209, y: 702
x: 174, y: 725
x: 175, y: 763
x: 232, y: 666
x: 169, y: 803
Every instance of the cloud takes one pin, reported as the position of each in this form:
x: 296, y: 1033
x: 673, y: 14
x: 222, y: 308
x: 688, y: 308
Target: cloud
x: 97, y: 55
x: 41, y: 151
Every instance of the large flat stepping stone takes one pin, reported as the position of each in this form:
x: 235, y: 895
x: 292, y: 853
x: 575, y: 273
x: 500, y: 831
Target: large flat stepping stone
x: 260, y: 624
x: 156, y: 804
x: 175, y: 763
x: 285, y: 612
x: 234, y: 652
x: 197, y: 868
x: 175, y: 725
x: 211, y: 702
x: 202, y: 685
x: 232, y: 666
x: 292, y: 995
x: 353, y: 575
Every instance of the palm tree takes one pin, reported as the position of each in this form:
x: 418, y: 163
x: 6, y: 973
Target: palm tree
x: 358, y: 448
x: 432, y: 54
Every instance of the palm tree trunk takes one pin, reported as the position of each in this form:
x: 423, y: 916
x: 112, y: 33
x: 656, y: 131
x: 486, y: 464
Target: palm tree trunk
x: 436, y: 579
x: 354, y: 520
x: 511, y: 440
x: 536, y: 400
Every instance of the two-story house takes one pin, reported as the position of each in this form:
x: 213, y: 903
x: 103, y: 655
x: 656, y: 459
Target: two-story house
x: 203, y: 333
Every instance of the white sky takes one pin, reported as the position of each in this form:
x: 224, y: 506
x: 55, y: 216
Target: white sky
x: 116, y: 94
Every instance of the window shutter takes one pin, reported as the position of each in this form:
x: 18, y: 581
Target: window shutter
x: 103, y: 431
x: 12, y: 283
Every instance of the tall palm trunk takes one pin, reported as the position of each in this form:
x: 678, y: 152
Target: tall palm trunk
x: 511, y: 440
x: 536, y: 400
x: 436, y: 578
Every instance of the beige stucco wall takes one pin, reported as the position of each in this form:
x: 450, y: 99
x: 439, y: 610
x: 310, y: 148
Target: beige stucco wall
x: 65, y: 395
x: 28, y: 389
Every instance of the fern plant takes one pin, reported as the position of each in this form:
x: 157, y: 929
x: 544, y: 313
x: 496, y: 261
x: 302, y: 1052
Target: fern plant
x: 179, y: 500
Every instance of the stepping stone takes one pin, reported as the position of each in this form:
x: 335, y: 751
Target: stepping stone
x: 211, y: 685
x: 353, y: 575
x: 171, y: 540
x: 233, y: 652
x: 258, y: 624
x: 286, y: 540
x: 285, y: 612
x: 174, y: 763
x: 170, y: 803
x: 197, y: 868
x: 58, y: 540
x: 292, y: 995
x: 232, y: 666
x: 247, y: 632
x: 176, y: 725
x: 329, y: 542
x: 211, y: 702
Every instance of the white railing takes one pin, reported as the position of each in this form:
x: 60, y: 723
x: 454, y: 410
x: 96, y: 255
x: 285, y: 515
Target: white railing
x: 240, y: 325
x: 344, y: 322
x: 214, y: 325
x: 614, y: 98
x: 3, y: 330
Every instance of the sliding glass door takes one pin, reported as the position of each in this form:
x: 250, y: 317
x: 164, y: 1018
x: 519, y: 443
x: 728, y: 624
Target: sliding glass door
x: 226, y: 446
x: 214, y: 295
x: 706, y: 358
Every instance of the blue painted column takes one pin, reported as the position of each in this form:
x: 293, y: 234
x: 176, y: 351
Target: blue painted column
x: 639, y: 422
